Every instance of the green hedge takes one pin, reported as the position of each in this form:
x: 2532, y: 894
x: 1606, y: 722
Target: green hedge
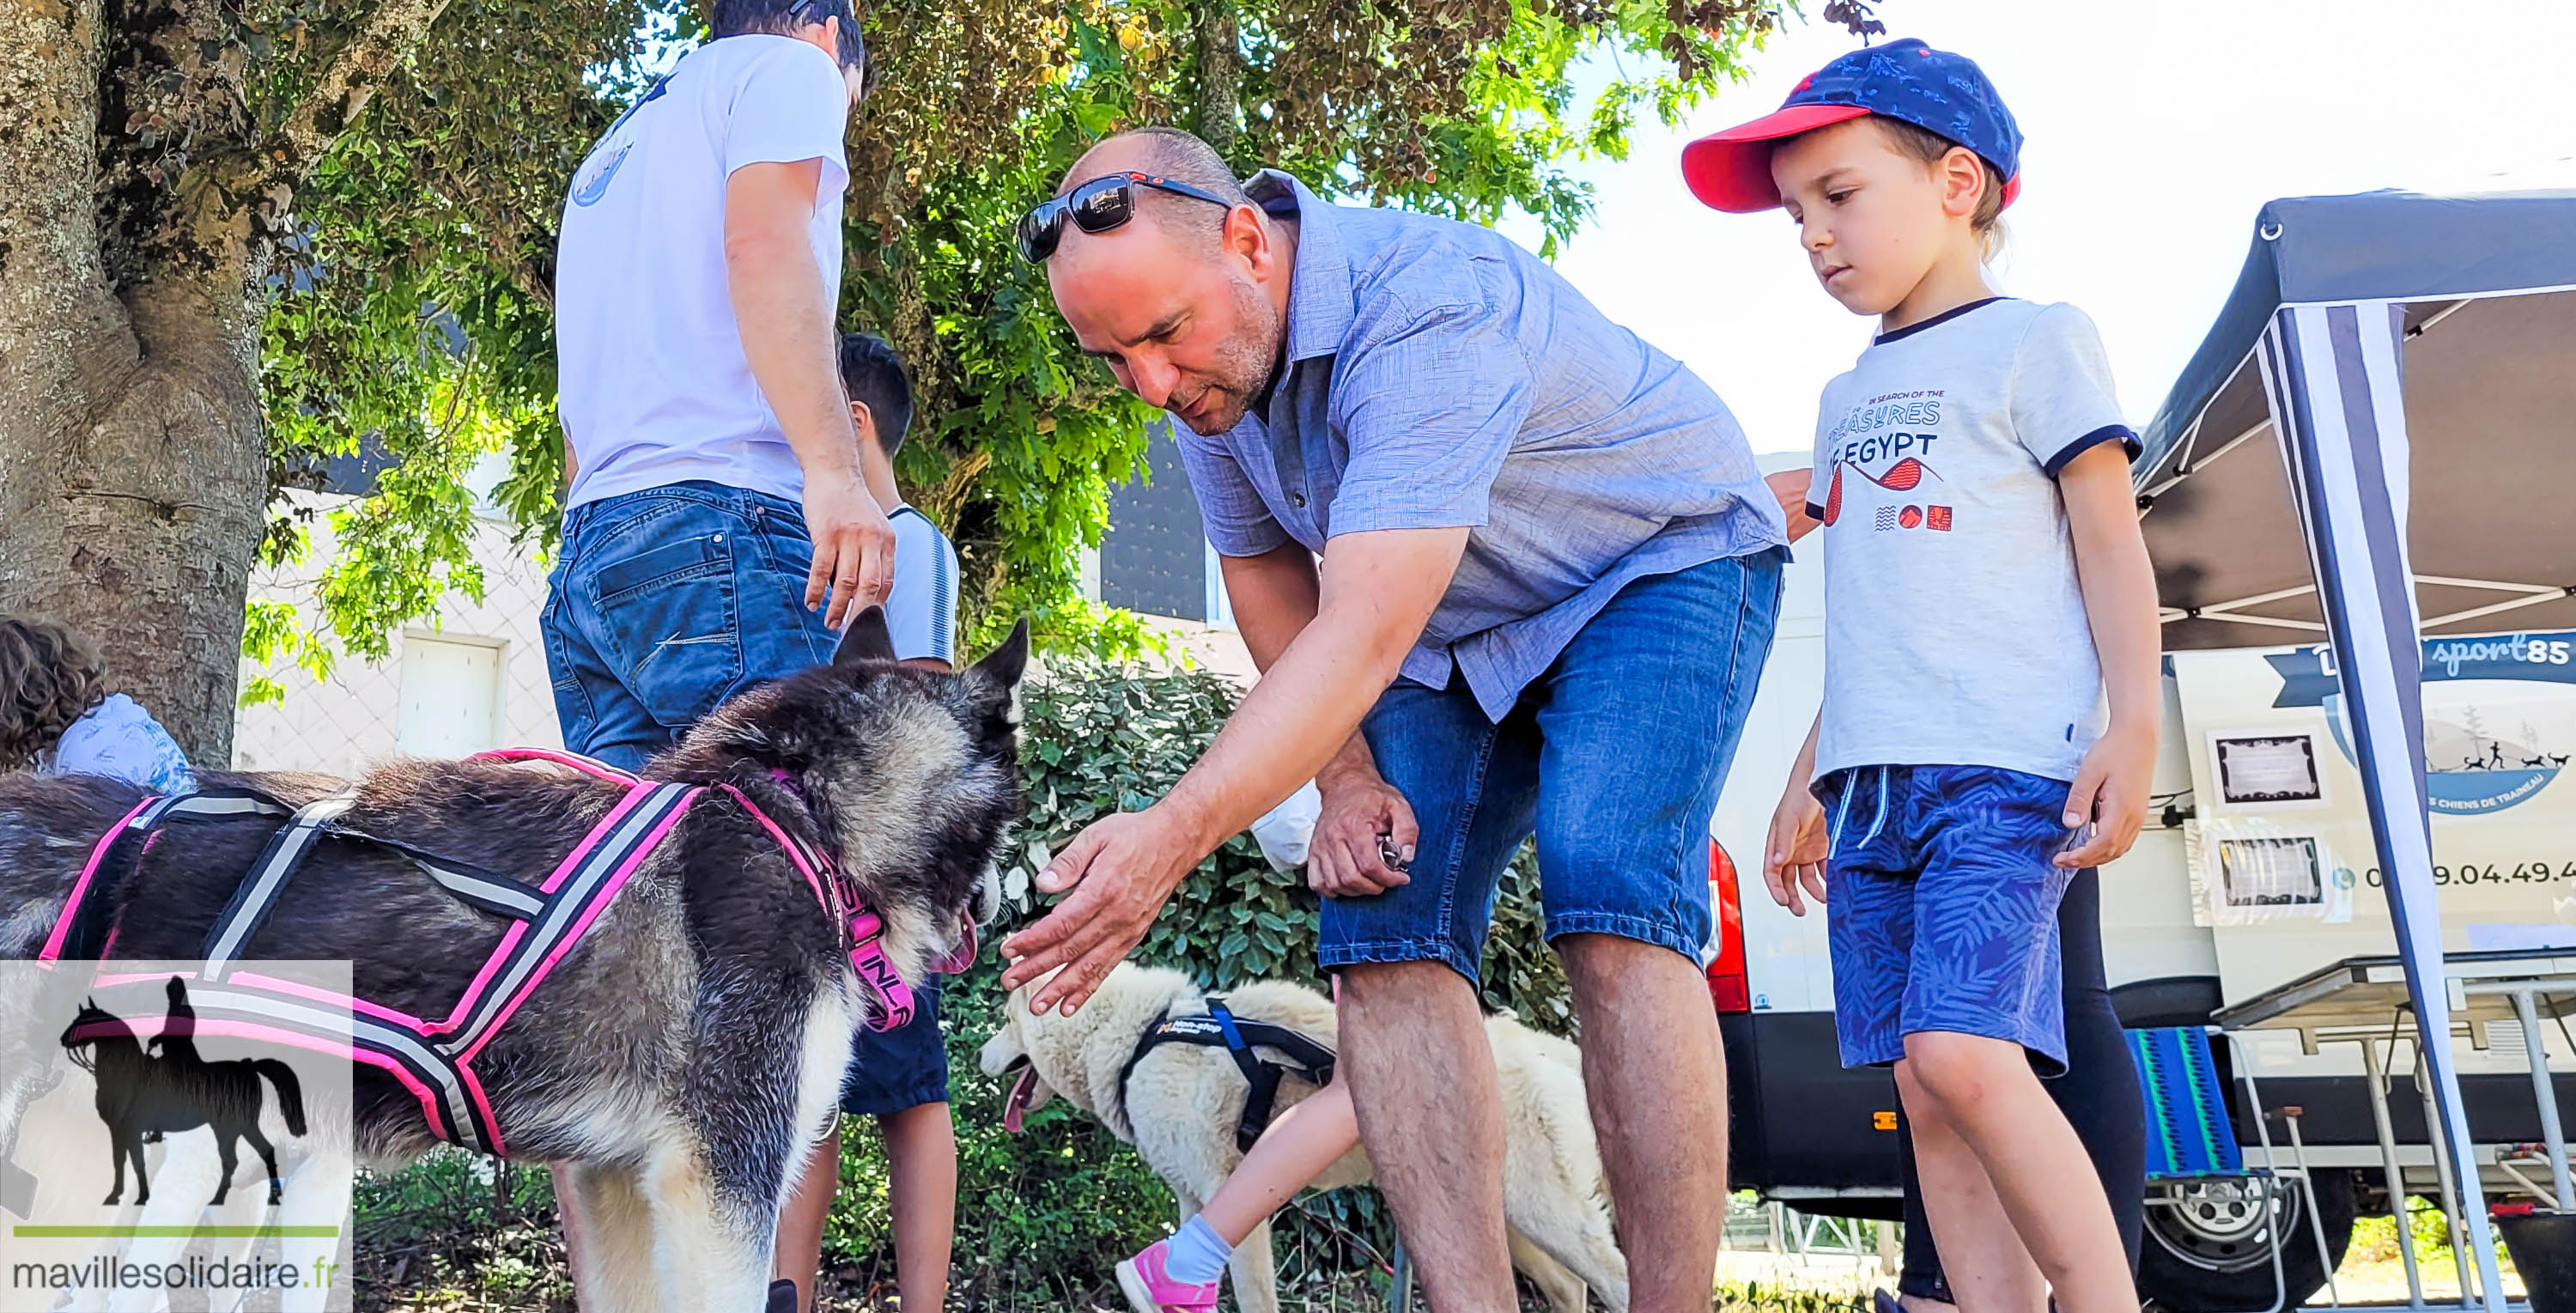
x: 1050, y: 1210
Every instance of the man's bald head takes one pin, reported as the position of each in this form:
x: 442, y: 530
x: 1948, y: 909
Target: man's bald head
x: 1165, y: 153
x: 1188, y: 304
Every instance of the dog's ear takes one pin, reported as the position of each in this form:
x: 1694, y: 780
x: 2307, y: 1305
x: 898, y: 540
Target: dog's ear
x: 867, y: 639
x: 1005, y: 665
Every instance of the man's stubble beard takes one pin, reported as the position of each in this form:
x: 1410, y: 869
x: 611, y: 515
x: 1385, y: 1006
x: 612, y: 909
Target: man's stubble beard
x: 1246, y: 362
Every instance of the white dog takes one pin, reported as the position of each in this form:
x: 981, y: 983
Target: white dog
x: 1180, y: 1104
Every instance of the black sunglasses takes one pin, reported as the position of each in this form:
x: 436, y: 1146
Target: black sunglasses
x: 1096, y: 207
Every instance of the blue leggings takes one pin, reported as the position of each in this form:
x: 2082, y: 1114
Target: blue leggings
x: 2099, y: 1095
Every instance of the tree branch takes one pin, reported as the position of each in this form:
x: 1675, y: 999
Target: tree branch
x: 1220, y: 43
x: 390, y: 34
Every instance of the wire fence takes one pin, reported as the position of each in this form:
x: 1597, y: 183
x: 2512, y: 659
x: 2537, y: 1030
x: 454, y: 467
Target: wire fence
x: 469, y: 678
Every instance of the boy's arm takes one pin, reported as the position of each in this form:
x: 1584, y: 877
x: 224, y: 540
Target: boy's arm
x: 2120, y: 606
x: 1794, y: 853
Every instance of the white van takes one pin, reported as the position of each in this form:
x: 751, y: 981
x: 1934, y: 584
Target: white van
x: 2256, y: 868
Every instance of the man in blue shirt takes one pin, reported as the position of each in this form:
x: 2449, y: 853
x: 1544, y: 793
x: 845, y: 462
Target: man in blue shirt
x: 1548, y: 575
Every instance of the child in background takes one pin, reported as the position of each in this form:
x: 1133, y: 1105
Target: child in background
x: 900, y: 1077
x: 1181, y: 1272
x: 1985, y: 585
x: 58, y: 718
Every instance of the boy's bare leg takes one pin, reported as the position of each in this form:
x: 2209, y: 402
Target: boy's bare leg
x: 1987, y: 1266
x: 921, y: 1192
x: 799, y: 1255
x: 1983, y: 1091
x: 1655, y: 1074
x: 1431, y: 1112
x: 1293, y: 1150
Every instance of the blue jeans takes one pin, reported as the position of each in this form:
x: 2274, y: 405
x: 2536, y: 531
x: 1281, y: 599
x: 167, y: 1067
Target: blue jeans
x: 666, y: 602
x: 1613, y: 758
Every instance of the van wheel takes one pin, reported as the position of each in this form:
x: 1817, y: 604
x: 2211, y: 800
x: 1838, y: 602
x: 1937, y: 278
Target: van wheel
x: 2208, y: 1246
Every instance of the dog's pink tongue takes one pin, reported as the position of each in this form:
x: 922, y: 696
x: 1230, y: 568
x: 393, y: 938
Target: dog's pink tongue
x: 961, y: 959
x: 1016, y: 1108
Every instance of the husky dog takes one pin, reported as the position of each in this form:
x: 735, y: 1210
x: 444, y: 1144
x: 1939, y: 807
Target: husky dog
x: 1180, y: 1104
x: 689, y: 1046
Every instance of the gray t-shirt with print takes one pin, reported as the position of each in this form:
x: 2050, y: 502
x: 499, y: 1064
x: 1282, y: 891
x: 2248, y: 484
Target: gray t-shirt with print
x: 1955, y: 631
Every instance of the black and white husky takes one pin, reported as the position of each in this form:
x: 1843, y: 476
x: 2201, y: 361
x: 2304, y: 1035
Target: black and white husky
x: 689, y: 1046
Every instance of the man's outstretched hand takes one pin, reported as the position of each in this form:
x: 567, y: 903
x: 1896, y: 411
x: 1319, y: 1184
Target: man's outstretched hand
x: 1121, y: 869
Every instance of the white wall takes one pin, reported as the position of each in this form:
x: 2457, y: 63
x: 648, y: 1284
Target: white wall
x: 358, y: 717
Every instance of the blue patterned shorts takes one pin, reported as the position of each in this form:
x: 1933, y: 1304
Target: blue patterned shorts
x: 1942, y: 908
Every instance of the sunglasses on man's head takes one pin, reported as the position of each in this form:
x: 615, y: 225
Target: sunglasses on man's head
x: 1096, y: 207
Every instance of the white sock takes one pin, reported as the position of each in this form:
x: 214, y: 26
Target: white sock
x: 1197, y: 1254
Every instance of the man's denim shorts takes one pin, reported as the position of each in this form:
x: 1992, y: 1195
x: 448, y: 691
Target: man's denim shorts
x: 664, y: 603
x: 1942, y: 908
x: 1613, y: 757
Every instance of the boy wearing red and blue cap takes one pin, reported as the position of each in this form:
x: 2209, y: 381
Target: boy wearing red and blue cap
x: 1986, y: 586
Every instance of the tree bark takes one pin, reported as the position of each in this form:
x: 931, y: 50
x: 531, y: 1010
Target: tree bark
x: 133, y: 475
x: 1220, y: 43
x: 134, y: 470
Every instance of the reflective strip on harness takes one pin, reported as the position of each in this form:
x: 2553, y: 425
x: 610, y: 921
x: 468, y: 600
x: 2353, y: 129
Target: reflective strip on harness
x: 574, y: 898
x: 81, y: 931
x: 506, y: 897
x: 258, y: 893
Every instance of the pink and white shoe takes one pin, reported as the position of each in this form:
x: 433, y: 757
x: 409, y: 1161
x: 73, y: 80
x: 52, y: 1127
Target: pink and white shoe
x: 1150, y: 1289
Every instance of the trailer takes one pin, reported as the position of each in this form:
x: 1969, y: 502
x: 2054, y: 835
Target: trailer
x: 2351, y: 766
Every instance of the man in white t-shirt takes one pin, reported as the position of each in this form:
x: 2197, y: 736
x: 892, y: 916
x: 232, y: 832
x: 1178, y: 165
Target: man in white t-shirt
x: 719, y: 493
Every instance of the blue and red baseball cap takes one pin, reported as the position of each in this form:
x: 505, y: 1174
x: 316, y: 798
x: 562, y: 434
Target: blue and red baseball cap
x: 1941, y: 93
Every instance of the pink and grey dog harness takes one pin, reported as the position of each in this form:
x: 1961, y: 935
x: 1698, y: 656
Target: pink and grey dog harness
x: 435, y: 1059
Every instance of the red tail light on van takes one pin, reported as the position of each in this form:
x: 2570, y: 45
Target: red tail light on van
x: 1726, y: 983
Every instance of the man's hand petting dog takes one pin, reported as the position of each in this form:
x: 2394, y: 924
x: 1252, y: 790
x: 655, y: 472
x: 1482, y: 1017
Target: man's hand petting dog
x: 1364, y: 837
x: 1121, y: 869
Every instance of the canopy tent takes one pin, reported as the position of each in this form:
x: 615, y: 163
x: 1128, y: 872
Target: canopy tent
x: 2283, y: 500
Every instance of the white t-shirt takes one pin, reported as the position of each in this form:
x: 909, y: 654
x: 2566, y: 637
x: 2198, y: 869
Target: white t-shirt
x: 1955, y: 631
x: 921, y: 608
x: 654, y: 387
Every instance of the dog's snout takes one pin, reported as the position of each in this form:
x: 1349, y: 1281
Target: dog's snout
x: 986, y: 901
x: 1000, y: 1054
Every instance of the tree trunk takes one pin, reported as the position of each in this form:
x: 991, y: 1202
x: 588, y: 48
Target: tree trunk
x: 1220, y: 42
x: 133, y: 471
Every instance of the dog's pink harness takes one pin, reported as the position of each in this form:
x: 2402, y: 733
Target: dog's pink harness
x: 435, y: 1059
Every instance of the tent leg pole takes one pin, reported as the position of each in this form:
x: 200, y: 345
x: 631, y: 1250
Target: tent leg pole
x: 2332, y: 378
x: 2377, y: 1072
x: 2552, y: 1132
x: 2457, y: 1225
x: 2316, y: 1219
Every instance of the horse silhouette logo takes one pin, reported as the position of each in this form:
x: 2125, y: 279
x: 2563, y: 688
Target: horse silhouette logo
x: 144, y: 1093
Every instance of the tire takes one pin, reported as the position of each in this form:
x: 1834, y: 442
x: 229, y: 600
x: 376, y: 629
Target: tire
x: 2206, y: 1249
